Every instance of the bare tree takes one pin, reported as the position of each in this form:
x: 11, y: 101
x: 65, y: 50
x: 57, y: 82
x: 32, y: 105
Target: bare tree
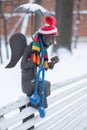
x: 64, y: 15
x: 2, y: 16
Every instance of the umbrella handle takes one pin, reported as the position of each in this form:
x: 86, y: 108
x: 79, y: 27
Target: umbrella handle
x: 32, y: 23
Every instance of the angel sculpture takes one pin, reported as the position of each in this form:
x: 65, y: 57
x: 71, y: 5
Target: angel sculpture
x: 35, y: 55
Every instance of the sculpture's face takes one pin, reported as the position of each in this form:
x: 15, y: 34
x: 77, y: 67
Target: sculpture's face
x: 49, y: 40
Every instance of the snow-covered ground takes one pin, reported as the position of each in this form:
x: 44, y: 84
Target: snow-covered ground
x: 69, y: 66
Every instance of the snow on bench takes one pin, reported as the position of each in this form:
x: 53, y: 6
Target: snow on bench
x: 67, y: 109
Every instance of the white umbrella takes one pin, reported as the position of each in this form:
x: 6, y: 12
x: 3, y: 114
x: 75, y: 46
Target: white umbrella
x: 33, y: 8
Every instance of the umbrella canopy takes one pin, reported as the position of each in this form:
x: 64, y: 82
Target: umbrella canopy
x: 33, y: 8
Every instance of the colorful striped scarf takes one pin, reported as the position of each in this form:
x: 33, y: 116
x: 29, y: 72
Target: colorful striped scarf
x: 36, y: 53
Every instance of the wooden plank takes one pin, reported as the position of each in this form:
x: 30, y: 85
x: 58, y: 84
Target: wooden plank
x: 83, y: 124
x: 61, y: 95
x: 57, y: 120
x: 5, y: 123
x: 65, y: 104
x: 69, y: 86
x: 69, y: 117
x: 29, y: 123
x: 69, y: 81
x: 24, y: 100
x: 72, y: 125
x: 14, y: 105
x: 76, y: 95
x: 66, y: 99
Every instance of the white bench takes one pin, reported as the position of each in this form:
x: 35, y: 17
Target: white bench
x: 67, y: 109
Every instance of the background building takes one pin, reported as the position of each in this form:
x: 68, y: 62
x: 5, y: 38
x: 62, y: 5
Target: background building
x: 14, y: 22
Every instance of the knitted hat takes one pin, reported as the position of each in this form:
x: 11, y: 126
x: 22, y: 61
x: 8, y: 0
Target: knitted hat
x: 50, y: 27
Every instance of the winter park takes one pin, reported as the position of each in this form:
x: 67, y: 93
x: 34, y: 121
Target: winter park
x: 43, y: 65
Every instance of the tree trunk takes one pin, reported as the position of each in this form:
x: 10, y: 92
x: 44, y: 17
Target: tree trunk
x: 64, y: 15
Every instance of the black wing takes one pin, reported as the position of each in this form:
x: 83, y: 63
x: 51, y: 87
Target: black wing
x: 18, y: 43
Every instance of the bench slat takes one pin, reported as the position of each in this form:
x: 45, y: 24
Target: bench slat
x: 25, y: 100
x: 69, y: 81
x: 58, y: 122
x: 69, y: 92
x: 5, y: 123
x: 12, y: 106
x: 83, y: 124
x: 68, y: 119
x: 77, y: 121
x: 35, y: 120
x: 8, y: 122
x: 67, y: 106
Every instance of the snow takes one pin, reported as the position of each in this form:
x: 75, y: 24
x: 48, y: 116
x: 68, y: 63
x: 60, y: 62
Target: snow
x: 32, y: 8
x: 70, y: 65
